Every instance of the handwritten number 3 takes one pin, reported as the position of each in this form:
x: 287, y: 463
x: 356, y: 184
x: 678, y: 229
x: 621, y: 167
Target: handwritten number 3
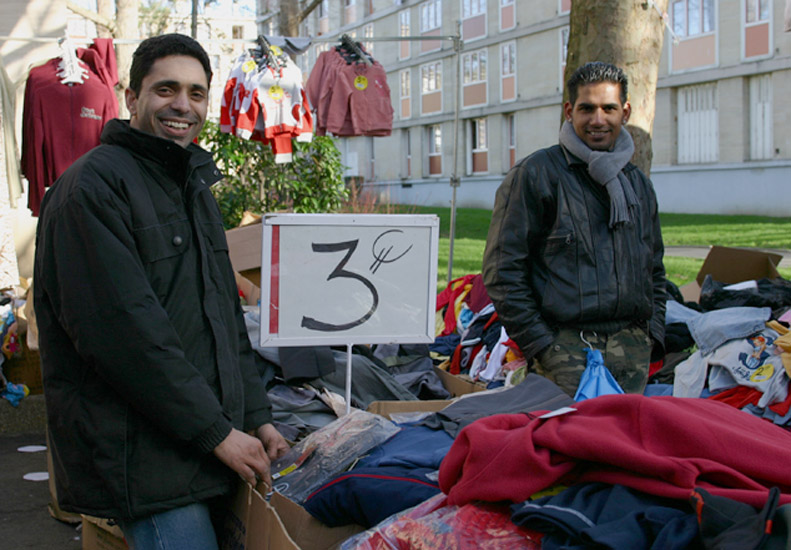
x: 350, y: 246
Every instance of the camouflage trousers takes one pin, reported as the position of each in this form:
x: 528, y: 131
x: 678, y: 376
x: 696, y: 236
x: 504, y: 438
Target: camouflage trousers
x: 626, y: 353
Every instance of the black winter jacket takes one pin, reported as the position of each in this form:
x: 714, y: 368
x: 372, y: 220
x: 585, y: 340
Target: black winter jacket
x: 552, y: 260
x: 146, y: 360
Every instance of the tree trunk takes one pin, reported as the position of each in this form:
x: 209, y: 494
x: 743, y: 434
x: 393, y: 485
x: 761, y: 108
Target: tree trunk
x: 127, y: 17
x: 106, y: 11
x: 629, y: 35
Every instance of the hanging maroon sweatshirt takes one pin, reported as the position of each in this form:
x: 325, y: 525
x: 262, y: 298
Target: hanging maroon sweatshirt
x: 62, y: 122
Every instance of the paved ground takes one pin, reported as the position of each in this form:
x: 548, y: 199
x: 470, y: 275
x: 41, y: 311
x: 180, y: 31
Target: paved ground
x: 25, y: 522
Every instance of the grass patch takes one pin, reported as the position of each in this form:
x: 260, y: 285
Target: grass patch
x: 472, y: 225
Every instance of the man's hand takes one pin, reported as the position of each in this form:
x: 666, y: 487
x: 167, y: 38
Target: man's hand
x: 273, y: 442
x: 245, y: 455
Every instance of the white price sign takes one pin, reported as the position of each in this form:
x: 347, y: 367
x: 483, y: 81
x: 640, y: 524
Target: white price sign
x: 330, y: 279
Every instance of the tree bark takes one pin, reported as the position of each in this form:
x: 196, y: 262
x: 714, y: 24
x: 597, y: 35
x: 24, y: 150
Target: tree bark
x: 629, y: 35
x: 127, y: 17
x: 293, y: 13
x: 106, y: 11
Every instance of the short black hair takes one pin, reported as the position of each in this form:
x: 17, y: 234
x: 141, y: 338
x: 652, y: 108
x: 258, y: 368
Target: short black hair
x: 160, y: 46
x: 593, y: 72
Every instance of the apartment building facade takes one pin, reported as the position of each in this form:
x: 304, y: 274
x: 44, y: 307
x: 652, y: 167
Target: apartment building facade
x: 722, y: 130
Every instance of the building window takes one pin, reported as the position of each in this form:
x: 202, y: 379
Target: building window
x: 692, y: 17
x: 347, y: 3
x: 406, y: 147
x: 508, y: 51
x: 564, y: 54
x: 431, y: 77
x: 697, y: 124
x: 761, y: 117
x: 564, y: 6
x: 471, y: 8
x: 474, y: 67
x: 507, y: 15
x: 405, y: 77
x: 430, y: 15
x: 324, y: 9
x: 508, y: 71
x: 434, y: 150
x: 431, y: 88
x: 757, y: 10
x: 474, y: 78
x: 368, y: 32
x: 479, y: 146
x: 237, y: 32
x: 510, y: 140
x: 403, y: 30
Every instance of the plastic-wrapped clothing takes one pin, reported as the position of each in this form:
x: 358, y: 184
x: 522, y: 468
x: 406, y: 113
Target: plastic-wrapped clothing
x: 328, y: 451
x: 433, y: 525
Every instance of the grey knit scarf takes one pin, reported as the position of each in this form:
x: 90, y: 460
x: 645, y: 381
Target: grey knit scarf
x: 605, y: 169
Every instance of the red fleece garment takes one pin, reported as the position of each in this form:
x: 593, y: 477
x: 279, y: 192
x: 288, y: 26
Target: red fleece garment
x: 663, y: 446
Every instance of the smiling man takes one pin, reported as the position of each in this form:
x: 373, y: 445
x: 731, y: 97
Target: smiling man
x: 574, y: 248
x: 149, y: 378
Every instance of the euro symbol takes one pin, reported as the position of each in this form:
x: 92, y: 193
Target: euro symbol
x: 382, y: 251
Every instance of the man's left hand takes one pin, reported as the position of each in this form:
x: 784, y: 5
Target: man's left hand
x: 274, y: 443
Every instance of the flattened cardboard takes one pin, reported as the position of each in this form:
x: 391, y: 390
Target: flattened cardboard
x: 308, y: 532
x: 98, y: 534
x: 244, y: 249
x: 387, y: 408
x: 732, y: 265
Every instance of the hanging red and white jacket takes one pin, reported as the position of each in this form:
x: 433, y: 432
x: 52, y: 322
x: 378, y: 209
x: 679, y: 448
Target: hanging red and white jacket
x: 267, y: 103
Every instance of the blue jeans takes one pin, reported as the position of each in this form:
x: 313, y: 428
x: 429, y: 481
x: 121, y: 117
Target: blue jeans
x: 185, y: 528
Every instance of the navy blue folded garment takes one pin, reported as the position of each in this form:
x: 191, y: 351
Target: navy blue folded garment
x: 366, y: 496
x: 412, y: 447
x: 599, y: 515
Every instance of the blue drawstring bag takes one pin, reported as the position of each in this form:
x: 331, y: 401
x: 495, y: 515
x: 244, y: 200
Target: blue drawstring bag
x: 596, y: 378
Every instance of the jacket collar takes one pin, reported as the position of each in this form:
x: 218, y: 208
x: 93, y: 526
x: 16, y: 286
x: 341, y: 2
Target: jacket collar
x: 178, y: 162
x: 570, y: 158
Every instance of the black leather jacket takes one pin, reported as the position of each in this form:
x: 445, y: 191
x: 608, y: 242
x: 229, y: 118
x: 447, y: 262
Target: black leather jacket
x: 552, y: 260
x: 146, y: 360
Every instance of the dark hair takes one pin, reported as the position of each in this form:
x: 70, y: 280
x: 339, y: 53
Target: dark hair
x: 164, y: 45
x: 593, y: 72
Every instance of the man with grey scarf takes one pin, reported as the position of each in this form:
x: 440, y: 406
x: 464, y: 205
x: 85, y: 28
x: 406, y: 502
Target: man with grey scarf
x: 573, y: 258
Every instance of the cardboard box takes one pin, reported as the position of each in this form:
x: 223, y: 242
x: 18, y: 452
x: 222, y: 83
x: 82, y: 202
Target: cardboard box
x: 252, y: 524
x: 99, y: 534
x: 244, y: 248
x: 458, y: 385
x: 25, y: 368
x: 733, y: 265
x: 306, y: 531
x: 387, y: 408
x: 250, y: 292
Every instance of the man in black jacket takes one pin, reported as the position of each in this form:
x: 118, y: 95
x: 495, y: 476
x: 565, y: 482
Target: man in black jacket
x: 149, y: 378
x: 574, y: 252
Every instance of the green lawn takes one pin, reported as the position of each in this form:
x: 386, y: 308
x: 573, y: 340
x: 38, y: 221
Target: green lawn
x: 677, y: 230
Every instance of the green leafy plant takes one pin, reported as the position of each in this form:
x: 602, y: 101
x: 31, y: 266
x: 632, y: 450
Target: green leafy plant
x: 312, y: 182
